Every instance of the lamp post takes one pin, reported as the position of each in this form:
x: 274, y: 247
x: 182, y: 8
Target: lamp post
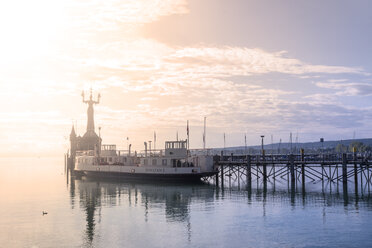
x: 262, y: 144
x: 322, y: 152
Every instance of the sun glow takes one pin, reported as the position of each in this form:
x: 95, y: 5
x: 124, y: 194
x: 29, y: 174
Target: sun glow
x: 30, y: 29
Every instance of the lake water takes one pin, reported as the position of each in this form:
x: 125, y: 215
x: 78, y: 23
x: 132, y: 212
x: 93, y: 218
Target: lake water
x: 91, y: 213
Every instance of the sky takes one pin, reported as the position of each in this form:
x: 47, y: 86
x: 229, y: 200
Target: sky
x: 251, y: 67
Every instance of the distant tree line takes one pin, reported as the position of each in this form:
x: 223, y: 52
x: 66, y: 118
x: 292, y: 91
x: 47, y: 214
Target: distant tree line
x: 339, y: 148
x: 359, y: 146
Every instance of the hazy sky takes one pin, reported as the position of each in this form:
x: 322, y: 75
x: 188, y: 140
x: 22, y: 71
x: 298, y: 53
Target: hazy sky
x: 254, y: 67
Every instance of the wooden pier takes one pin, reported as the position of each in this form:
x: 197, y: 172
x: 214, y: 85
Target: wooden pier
x: 302, y: 168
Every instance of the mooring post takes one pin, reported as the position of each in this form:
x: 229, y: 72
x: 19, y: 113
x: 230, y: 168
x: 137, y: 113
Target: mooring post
x: 231, y: 167
x: 355, y: 169
x: 216, y: 168
x: 344, y: 168
x: 291, y: 163
x: 368, y: 182
x: 303, y: 168
x: 222, y: 159
x: 344, y: 178
x: 272, y: 161
x: 264, y: 167
x: 361, y: 176
x: 65, y: 157
x: 249, y: 170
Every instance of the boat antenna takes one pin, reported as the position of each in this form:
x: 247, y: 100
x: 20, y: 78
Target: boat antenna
x: 272, y: 144
x: 154, y: 140
x: 224, y: 141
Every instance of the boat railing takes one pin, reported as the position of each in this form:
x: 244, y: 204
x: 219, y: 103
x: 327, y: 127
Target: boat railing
x: 109, y: 147
x: 151, y: 153
x: 85, y: 153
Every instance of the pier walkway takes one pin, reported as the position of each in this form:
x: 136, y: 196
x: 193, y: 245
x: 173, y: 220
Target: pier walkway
x: 347, y: 168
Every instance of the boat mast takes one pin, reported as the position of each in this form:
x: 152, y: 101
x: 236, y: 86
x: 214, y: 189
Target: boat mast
x: 204, y: 134
x: 188, y: 135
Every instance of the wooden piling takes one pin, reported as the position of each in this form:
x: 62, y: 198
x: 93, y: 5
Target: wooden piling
x: 65, y: 157
x: 368, y: 182
x: 344, y: 168
x: 291, y: 164
x: 249, y: 170
x: 257, y: 167
x: 303, y: 168
x: 355, y: 170
x: 222, y: 181
x: 264, y: 166
x: 361, y: 176
x: 217, y: 176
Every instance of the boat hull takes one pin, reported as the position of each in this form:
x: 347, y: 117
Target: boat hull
x: 187, y: 177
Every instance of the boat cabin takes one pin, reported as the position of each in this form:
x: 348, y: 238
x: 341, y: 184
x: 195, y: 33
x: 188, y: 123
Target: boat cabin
x: 176, y: 148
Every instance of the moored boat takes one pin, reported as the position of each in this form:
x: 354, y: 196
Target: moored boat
x: 87, y: 156
x: 173, y: 163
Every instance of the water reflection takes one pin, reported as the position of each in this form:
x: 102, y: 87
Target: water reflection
x: 173, y: 202
x: 173, y: 199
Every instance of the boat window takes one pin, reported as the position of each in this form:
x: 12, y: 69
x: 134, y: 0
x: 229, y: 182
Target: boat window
x: 154, y: 161
x: 110, y: 159
x: 145, y: 161
x: 164, y: 162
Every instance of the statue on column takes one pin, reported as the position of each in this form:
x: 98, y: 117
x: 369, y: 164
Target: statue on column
x: 90, y: 102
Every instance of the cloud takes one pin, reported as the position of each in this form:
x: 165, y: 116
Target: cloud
x: 348, y: 89
x: 101, y: 15
x: 141, y: 57
x: 227, y: 61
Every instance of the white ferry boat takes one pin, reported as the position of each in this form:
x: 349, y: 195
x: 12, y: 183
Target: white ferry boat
x: 87, y: 156
x: 173, y: 163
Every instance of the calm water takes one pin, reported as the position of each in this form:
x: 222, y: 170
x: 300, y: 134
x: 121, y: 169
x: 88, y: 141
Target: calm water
x: 91, y: 213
